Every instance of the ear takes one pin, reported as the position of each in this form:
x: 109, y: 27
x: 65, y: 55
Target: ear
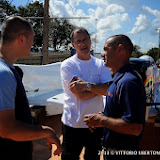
x: 120, y: 47
x: 21, y: 39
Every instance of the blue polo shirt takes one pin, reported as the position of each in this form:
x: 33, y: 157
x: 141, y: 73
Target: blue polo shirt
x: 125, y: 99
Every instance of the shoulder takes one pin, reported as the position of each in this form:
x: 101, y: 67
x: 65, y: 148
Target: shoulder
x: 5, y: 72
x: 7, y: 76
x: 131, y: 79
x: 98, y: 62
x: 68, y: 62
x: 8, y: 85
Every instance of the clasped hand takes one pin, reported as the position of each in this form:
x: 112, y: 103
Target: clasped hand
x: 77, y: 85
x: 93, y: 121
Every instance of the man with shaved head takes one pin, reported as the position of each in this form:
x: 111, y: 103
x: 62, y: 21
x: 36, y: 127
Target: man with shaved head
x: 124, y: 114
x: 16, y: 129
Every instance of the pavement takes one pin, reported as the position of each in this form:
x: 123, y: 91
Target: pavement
x: 40, y: 148
x: 41, y: 151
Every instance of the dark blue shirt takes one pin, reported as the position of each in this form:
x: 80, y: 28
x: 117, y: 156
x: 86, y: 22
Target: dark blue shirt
x: 125, y: 99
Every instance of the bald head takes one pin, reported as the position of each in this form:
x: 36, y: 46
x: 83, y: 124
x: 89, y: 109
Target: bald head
x: 121, y: 39
x: 13, y: 27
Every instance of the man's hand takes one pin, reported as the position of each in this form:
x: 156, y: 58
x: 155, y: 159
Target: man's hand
x: 77, y: 85
x: 93, y: 120
x: 51, y: 138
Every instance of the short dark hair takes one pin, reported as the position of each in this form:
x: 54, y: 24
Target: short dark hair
x: 122, y: 39
x: 13, y: 27
x: 78, y: 30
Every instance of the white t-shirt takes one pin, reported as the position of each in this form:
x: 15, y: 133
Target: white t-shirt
x: 92, y: 70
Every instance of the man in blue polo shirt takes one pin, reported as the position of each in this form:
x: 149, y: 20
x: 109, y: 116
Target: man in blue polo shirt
x: 124, y: 114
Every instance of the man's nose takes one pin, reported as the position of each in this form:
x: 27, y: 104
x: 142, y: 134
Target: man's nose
x: 102, y: 54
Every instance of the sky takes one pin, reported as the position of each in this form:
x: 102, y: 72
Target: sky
x: 138, y: 19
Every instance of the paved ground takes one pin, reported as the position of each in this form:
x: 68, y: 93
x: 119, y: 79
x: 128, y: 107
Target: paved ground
x: 40, y: 148
x: 41, y: 152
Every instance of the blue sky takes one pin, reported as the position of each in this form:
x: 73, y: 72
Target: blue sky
x: 138, y: 19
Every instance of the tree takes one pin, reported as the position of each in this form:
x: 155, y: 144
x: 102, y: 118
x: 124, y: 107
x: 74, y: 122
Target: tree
x: 34, y: 10
x: 7, y: 9
x: 153, y: 52
x: 136, y: 53
x: 61, y: 29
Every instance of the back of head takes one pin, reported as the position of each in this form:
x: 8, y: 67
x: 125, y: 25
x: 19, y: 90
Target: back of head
x: 124, y: 40
x: 78, y: 30
x: 13, y: 27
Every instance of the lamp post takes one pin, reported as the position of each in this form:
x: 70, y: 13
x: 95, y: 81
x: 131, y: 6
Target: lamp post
x: 45, y: 32
x: 96, y: 36
x: 159, y: 43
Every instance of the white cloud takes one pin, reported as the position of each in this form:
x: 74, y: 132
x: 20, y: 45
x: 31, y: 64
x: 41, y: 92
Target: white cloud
x: 125, y: 17
x: 57, y: 8
x: 99, y: 12
x: 109, y: 23
x: 141, y: 24
x: 107, y: 16
x: 113, y: 9
x: 156, y: 13
x: 127, y: 4
x: 96, y: 2
x: 151, y: 45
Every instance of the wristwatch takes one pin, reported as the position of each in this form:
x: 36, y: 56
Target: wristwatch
x: 89, y: 86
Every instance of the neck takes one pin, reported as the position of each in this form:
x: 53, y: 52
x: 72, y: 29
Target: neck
x: 7, y: 55
x: 84, y: 57
x: 118, y: 67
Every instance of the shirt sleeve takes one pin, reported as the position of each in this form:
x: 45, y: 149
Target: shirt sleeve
x: 132, y: 103
x: 8, y: 86
x: 67, y: 74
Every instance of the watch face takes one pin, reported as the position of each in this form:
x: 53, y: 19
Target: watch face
x: 88, y: 86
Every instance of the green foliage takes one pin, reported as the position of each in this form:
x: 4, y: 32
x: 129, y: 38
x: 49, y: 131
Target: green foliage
x: 6, y: 9
x: 61, y: 28
x: 153, y: 52
x: 136, y: 53
x: 34, y: 10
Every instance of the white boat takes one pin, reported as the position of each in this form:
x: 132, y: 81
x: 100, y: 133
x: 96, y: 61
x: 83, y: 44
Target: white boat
x: 43, y: 86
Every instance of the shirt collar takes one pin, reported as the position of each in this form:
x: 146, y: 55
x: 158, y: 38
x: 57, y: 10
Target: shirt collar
x: 4, y: 62
x: 122, y: 71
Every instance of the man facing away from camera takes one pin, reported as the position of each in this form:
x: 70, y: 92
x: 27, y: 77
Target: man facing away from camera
x: 16, y: 129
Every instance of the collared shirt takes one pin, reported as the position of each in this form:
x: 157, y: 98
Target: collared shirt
x: 125, y: 99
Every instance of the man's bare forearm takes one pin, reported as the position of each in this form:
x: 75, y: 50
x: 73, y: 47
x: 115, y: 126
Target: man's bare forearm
x: 100, y: 89
x: 85, y: 95
x: 115, y: 124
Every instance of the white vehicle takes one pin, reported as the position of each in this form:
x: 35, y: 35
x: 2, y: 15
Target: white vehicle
x: 43, y: 84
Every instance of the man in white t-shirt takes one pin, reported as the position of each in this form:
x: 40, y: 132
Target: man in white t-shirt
x: 85, y: 79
